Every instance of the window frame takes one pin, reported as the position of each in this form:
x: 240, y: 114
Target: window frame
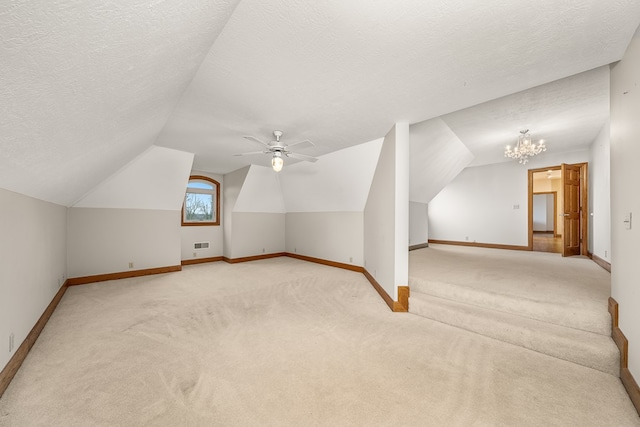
x: 215, y: 191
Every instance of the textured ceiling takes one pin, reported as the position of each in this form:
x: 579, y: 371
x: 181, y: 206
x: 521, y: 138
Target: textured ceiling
x: 567, y: 114
x: 85, y: 86
x: 343, y: 72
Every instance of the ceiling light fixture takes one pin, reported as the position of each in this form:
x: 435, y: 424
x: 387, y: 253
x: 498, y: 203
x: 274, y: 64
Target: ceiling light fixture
x: 276, y: 161
x: 524, y: 148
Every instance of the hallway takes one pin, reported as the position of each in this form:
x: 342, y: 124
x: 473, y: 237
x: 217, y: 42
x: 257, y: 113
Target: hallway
x: 545, y: 242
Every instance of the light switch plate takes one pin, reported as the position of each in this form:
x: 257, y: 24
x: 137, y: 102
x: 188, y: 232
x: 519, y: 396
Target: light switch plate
x: 627, y: 221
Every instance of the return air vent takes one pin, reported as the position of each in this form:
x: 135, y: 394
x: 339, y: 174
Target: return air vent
x: 201, y: 245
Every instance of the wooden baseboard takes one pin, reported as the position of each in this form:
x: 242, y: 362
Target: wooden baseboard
x: 15, y: 362
x: 253, y: 258
x: 621, y: 341
x: 400, y: 306
x: 200, y: 260
x: 418, y: 246
x: 344, y: 266
x: 480, y: 245
x: 601, y: 262
x: 385, y: 296
x: 122, y: 275
x: 631, y: 386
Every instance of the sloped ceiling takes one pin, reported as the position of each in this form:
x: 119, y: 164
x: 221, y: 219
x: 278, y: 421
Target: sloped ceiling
x: 343, y: 72
x: 85, y: 86
x: 337, y: 182
x: 567, y: 114
x: 156, y: 180
x: 437, y: 156
x: 88, y: 85
x: 260, y: 192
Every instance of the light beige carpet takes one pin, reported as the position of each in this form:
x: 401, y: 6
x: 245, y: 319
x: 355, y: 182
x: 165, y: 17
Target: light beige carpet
x: 541, y: 301
x: 283, y: 342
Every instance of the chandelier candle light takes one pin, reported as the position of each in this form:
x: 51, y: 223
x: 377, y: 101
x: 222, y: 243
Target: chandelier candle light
x: 524, y: 149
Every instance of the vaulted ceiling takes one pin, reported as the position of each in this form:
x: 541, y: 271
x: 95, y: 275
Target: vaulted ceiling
x: 85, y: 86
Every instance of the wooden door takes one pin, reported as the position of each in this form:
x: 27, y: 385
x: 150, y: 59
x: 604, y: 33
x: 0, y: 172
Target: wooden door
x: 572, y: 236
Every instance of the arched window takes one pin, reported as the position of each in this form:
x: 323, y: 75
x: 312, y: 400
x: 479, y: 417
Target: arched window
x: 201, y: 202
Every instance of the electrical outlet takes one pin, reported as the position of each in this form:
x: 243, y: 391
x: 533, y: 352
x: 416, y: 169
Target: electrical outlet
x: 263, y: 251
x: 350, y: 259
x: 195, y: 254
x: 130, y: 264
x: 11, y: 342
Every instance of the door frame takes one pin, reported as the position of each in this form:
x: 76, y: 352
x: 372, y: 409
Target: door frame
x: 584, y: 192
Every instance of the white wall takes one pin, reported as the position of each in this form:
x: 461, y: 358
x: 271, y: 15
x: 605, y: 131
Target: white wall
x: 132, y: 216
x: 386, y: 215
x: 625, y: 197
x: 543, y: 215
x: 33, y: 263
x: 540, y: 212
x: 599, y: 195
x: 478, y: 205
x: 418, y: 223
x: 254, y: 222
x: 257, y: 234
x: 233, y: 183
x: 102, y: 241
x: 213, y: 234
x: 550, y: 212
x: 334, y: 236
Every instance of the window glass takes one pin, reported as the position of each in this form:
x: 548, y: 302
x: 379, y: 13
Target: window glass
x: 201, y: 202
x: 198, y: 184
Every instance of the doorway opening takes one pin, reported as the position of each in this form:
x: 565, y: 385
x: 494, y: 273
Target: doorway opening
x: 557, y: 209
x: 545, y: 223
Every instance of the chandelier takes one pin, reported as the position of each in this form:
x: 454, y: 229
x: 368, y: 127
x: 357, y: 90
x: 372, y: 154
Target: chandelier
x: 524, y: 148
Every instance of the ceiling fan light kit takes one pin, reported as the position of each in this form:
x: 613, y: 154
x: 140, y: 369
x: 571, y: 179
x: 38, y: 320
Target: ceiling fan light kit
x: 524, y: 148
x: 277, y: 149
x: 277, y: 162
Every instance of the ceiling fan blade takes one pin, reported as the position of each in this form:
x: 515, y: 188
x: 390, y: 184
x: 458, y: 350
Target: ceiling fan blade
x: 254, y: 139
x: 301, y: 144
x: 301, y: 157
x: 250, y: 153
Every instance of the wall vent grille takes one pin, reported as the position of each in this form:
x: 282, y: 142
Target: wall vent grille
x: 201, y: 245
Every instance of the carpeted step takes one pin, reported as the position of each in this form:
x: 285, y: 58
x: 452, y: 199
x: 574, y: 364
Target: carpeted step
x: 581, y: 347
x: 586, y: 315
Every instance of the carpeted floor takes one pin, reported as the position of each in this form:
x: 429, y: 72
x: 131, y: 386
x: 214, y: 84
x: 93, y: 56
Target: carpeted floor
x: 541, y: 301
x: 283, y: 342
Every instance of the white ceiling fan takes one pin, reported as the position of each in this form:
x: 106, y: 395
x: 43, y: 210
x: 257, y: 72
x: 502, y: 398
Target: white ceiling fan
x: 278, y: 149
